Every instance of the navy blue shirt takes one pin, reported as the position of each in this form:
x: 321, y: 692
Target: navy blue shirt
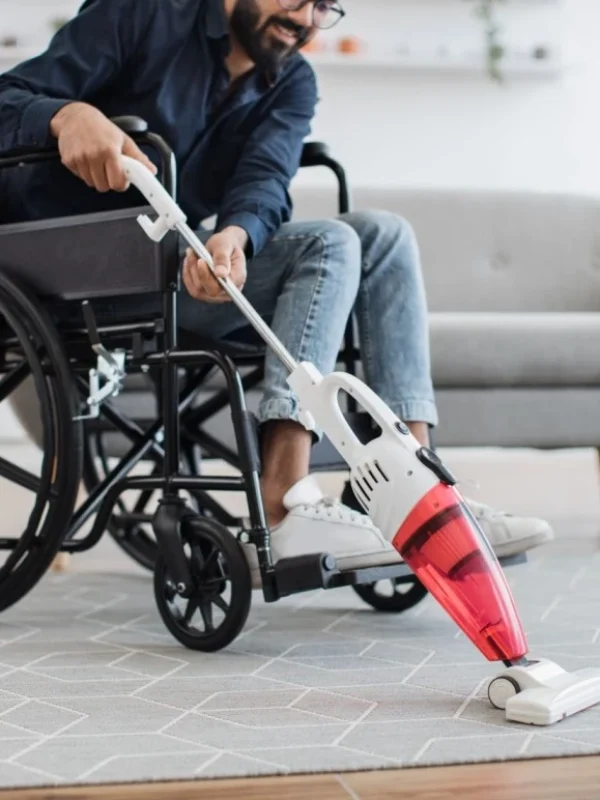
x: 162, y: 60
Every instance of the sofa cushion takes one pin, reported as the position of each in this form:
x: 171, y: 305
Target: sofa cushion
x: 491, y: 250
x: 497, y: 349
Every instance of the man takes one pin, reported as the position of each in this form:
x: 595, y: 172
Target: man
x: 223, y: 82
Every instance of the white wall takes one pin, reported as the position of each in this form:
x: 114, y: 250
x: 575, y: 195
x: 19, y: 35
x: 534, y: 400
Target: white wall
x: 452, y: 130
x: 443, y: 128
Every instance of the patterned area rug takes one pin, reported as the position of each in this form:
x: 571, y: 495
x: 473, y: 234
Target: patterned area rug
x: 93, y: 688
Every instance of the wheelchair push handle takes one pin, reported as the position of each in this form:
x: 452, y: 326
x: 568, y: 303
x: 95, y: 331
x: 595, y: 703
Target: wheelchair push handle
x: 171, y: 217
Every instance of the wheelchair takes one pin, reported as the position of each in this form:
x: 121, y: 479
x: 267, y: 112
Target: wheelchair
x: 82, y: 366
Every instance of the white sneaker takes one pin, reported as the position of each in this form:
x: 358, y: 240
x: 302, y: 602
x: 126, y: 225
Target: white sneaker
x: 507, y: 534
x: 317, y: 524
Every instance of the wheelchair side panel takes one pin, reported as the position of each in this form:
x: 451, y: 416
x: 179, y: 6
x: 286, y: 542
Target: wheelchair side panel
x: 88, y: 256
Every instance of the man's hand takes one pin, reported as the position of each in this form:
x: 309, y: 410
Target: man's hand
x: 91, y: 146
x: 227, y: 251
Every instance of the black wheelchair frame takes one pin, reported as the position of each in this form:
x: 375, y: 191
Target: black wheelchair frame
x: 195, y: 555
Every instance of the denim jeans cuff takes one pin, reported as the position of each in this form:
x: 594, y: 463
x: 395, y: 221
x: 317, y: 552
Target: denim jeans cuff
x: 287, y: 409
x: 283, y: 409
x: 415, y: 410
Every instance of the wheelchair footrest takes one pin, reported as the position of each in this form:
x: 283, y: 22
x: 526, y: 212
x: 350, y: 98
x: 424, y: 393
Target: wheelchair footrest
x: 304, y: 573
x: 320, y: 571
x: 513, y: 561
x: 401, y: 573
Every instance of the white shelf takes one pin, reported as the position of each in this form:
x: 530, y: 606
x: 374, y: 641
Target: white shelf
x: 508, y: 66
x: 12, y: 56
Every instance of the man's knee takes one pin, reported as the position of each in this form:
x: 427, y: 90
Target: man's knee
x: 331, y: 234
x: 330, y: 247
x: 383, y: 228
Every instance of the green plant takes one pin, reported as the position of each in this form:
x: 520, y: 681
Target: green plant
x: 56, y: 23
x: 486, y: 11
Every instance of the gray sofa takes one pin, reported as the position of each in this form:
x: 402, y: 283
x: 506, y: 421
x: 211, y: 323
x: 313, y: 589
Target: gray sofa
x: 513, y: 282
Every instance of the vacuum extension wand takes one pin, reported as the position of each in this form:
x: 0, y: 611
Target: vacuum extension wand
x: 412, y: 498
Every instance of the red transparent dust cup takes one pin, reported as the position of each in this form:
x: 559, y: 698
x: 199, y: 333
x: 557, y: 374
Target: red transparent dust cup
x: 442, y: 544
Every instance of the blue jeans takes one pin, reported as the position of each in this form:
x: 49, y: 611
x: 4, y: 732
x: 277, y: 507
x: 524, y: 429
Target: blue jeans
x: 307, y: 281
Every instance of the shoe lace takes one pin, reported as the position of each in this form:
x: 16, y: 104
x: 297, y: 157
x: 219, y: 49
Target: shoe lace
x: 332, y: 508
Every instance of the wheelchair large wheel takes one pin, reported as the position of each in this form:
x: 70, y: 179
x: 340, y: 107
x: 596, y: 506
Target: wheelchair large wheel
x: 391, y: 596
x: 217, y: 610
x: 30, y: 350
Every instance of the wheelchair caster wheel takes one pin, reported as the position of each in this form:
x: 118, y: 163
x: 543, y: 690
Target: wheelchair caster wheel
x: 217, y: 609
x: 406, y: 593
x: 397, y: 601
x: 501, y: 690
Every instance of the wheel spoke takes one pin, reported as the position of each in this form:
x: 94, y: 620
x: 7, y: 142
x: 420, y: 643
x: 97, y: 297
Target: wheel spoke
x: 19, y: 476
x: 15, y: 377
x: 206, y: 611
x: 190, y: 610
x: 210, y: 582
x: 220, y: 603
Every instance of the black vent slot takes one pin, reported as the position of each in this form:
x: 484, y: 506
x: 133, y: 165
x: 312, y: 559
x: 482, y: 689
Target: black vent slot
x: 364, y: 480
x: 372, y: 474
x: 365, y: 495
x: 381, y: 472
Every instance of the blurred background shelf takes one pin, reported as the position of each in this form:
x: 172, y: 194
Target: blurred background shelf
x: 515, y: 67
x: 543, y: 68
x: 11, y: 56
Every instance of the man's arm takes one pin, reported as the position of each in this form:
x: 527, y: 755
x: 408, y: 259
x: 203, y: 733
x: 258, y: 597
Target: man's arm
x: 256, y: 198
x: 84, y: 56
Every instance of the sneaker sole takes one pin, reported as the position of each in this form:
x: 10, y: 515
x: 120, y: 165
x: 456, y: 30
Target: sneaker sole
x: 515, y: 548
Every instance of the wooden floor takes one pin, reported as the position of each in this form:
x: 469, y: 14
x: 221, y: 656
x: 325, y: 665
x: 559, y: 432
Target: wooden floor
x: 551, y: 779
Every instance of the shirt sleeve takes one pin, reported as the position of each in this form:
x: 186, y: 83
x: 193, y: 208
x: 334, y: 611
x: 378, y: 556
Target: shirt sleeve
x: 82, y: 58
x: 257, y: 196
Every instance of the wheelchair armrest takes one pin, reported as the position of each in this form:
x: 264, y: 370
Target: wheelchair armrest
x: 316, y: 154
x: 131, y: 125
x: 136, y: 127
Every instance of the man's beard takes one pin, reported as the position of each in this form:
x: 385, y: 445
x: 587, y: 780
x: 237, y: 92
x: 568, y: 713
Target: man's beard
x: 264, y: 49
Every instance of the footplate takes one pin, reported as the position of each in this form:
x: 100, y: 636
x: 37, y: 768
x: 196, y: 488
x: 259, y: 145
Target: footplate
x: 320, y: 571
x: 401, y: 573
x: 303, y: 574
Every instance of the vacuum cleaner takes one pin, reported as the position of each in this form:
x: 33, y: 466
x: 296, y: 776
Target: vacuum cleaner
x: 412, y: 497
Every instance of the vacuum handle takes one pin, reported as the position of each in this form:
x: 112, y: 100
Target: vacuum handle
x: 170, y: 215
x: 320, y: 395
x: 390, y: 424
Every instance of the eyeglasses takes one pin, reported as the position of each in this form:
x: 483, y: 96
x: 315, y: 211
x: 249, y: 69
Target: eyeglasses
x: 326, y: 13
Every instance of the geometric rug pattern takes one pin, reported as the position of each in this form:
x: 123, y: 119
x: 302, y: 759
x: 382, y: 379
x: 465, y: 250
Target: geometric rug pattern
x: 94, y: 689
